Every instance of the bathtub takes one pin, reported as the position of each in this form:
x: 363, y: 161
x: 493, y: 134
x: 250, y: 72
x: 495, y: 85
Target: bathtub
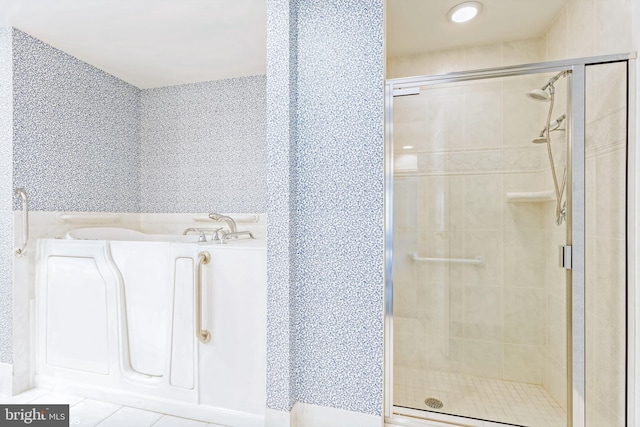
x: 116, y: 320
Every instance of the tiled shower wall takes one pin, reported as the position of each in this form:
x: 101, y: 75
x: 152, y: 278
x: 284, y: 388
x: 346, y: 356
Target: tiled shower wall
x: 481, y: 320
x: 6, y: 199
x: 467, y: 58
x: 589, y: 28
x: 606, y: 244
x: 573, y: 35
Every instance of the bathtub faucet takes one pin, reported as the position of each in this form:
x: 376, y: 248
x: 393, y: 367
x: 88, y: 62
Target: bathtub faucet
x: 201, y: 231
x: 222, y: 236
x: 230, y: 222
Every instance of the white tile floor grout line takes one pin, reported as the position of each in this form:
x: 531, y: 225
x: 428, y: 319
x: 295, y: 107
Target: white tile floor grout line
x: 41, y: 394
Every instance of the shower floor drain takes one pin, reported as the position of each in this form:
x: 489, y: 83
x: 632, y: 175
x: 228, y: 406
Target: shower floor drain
x: 433, y: 403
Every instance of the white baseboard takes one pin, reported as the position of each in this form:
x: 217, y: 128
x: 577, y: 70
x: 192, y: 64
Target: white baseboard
x: 307, y: 415
x: 273, y: 418
x: 6, y: 379
x: 152, y: 403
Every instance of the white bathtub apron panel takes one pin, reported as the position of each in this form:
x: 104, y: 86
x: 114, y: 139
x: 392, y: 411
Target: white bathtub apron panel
x: 116, y: 321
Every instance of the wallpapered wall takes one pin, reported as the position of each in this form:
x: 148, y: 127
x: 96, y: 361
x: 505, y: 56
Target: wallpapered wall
x: 76, y: 132
x: 87, y: 141
x: 6, y: 202
x: 329, y: 133
x: 203, y: 147
x: 281, y: 132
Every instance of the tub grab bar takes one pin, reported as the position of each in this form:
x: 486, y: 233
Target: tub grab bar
x: 204, y: 336
x: 22, y: 194
x: 478, y: 261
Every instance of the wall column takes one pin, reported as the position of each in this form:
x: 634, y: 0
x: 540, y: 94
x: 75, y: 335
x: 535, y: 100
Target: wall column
x: 325, y: 103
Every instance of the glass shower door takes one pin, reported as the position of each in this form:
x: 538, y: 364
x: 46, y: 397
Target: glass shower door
x: 479, y: 297
x: 507, y: 291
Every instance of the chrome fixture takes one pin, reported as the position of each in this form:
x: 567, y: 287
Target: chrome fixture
x: 203, y: 335
x: 222, y: 236
x: 554, y: 126
x: 230, y: 222
x: 22, y: 194
x: 542, y: 94
x: 477, y: 261
x: 202, y: 238
x: 235, y: 234
x: 547, y: 93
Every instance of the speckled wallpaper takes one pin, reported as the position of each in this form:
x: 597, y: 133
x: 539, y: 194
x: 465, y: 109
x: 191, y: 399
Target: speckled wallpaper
x: 76, y: 132
x: 6, y: 197
x: 335, y: 262
x: 281, y: 126
x: 203, y: 147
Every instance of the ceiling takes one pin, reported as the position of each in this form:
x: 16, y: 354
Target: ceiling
x: 151, y: 43
x: 416, y: 26
x: 154, y: 43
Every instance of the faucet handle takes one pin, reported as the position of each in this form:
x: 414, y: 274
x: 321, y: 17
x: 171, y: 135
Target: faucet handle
x: 218, y: 235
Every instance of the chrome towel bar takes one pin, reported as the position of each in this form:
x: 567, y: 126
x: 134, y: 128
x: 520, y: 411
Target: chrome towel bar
x: 477, y: 261
x: 22, y: 194
x: 204, y: 336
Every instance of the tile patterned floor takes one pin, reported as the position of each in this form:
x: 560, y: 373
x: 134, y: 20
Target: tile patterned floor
x: 488, y: 399
x: 94, y: 413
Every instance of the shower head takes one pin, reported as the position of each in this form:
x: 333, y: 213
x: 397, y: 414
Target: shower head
x: 545, y: 92
x: 539, y: 95
x: 553, y: 126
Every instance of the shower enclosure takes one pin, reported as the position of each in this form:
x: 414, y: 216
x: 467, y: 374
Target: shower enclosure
x: 506, y: 284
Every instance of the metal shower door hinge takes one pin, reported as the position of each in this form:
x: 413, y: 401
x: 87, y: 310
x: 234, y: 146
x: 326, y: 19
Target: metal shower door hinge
x: 565, y: 257
x: 406, y: 91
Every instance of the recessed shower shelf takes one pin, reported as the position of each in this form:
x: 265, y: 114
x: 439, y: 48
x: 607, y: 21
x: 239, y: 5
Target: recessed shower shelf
x: 531, y: 196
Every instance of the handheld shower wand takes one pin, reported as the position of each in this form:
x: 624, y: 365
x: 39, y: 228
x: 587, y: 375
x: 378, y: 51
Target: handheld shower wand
x: 547, y: 93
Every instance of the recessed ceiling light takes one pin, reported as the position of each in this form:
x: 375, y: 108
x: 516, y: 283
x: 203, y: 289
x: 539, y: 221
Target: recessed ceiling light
x: 464, y: 11
x: 407, y: 147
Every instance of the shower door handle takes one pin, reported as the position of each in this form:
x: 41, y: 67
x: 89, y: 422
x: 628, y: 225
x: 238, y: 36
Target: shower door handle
x: 203, y: 335
x: 565, y: 257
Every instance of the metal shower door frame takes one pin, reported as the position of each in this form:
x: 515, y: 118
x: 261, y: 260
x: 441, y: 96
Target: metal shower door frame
x: 576, y: 304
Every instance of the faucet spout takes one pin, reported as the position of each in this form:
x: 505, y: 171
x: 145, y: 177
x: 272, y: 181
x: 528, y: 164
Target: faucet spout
x: 230, y: 222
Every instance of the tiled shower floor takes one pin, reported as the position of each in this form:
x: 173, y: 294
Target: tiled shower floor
x: 495, y: 400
